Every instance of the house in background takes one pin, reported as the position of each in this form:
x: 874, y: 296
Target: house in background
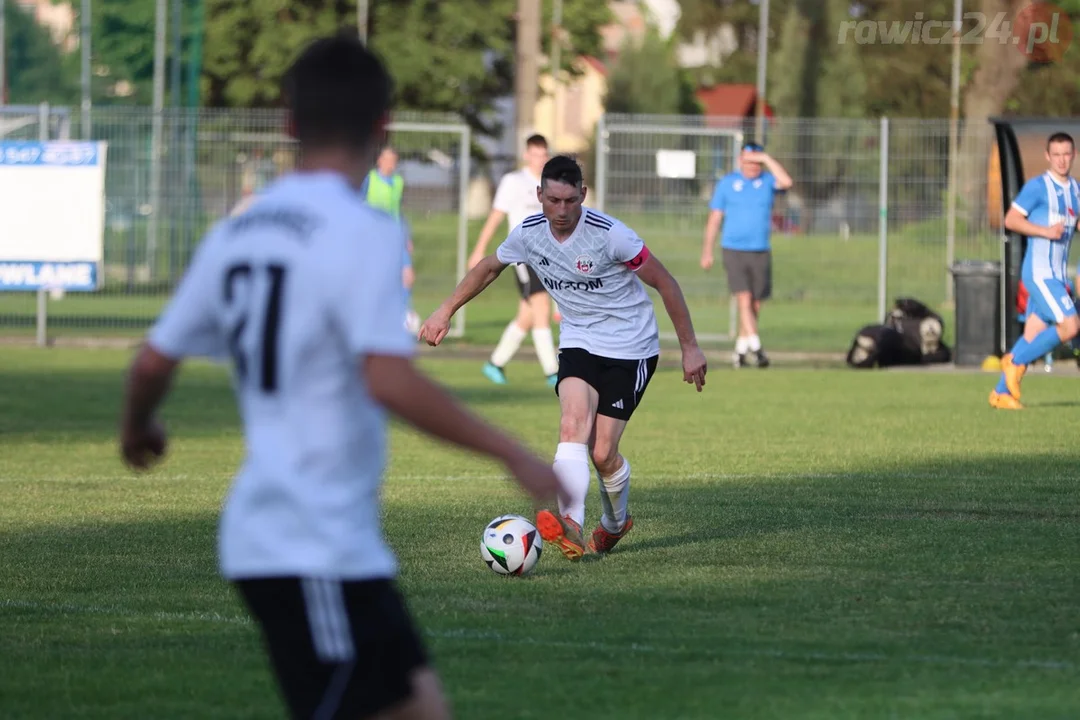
x: 566, y: 113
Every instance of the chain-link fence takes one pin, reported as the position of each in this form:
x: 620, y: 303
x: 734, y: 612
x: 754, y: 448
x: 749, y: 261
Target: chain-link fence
x: 839, y: 250
x: 170, y: 176
x: 841, y: 247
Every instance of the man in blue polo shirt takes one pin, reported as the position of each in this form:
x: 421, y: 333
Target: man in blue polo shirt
x: 743, y: 201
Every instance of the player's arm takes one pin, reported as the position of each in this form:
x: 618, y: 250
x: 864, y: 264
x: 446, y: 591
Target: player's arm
x: 1016, y: 221
x: 367, y: 303
x: 626, y: 247
x: 148, y: 381
x: 712, y: 228
x: 512, y: 250
x: 712, y: 225
x: 1030, y: 197
x: 653, y: 273
x: 482, y: 274
x: 783, y: 180
x: 397, y: 385
x: 186, y: 327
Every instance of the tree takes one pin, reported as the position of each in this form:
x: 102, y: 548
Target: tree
x: 123, y: 49
x: 36, y: 69
x: 454, y: 57
x: 645, y: 79
x: 999, y: 69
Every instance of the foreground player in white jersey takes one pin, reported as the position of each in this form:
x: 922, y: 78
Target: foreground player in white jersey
x: 594, y: 266
x: 515, y: 200
x: 304, y: 292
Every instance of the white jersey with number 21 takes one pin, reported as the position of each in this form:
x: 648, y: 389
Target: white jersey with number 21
x: 294, y: 292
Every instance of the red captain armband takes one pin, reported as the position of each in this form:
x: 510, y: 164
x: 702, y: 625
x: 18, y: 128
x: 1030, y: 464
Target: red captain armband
x: 639, y: 259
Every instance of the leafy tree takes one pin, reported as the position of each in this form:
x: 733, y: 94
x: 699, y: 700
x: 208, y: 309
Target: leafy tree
x: 36, y: 69
x: 454, y: 57
x: 645, y: 79
x: 123, y: 48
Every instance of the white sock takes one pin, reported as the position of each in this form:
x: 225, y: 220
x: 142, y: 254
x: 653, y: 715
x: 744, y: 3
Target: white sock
x: 572, y: 468
x: 754, y: 343
x: 545, y: 350
x: 508, y: 345
x: 615, y: 497
x: 741, y: 345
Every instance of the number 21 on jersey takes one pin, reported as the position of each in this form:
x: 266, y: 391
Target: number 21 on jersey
x: 254, y: 326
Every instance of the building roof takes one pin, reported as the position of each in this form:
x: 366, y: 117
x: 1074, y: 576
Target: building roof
x: 595, y: 63
x: 730, y: 100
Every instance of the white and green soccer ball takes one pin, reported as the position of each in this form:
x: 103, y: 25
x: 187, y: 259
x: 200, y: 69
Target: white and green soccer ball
x: 511, y: 545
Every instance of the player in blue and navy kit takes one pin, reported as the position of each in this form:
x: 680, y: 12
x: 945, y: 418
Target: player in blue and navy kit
x: 1046, y: 211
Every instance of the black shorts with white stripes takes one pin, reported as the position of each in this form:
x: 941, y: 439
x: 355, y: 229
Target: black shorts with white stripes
x: 339, y: 649
x: 619, y: 383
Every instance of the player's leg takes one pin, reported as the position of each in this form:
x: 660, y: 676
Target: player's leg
x: 540, y: 306
x: 622, y: 385
x: 513, y: 334
x: 578, y: 396
x: 761, y: 290
x: 738, y: 278
x: 1051, y: 301
x: 1000, y: 397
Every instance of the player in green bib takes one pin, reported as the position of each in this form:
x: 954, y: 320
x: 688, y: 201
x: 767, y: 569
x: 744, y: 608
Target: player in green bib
x: 384, y: 188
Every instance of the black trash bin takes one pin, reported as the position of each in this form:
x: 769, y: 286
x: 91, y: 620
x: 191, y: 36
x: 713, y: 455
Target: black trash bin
x: 977, y: 291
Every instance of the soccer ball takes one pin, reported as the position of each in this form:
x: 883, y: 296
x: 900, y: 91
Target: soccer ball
x: 511, y: 545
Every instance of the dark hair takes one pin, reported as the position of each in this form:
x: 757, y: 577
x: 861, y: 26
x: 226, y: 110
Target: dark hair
x: 1059, y: 137
x: 336, y: 91
x: 562, y: 168
x: 536, y: 140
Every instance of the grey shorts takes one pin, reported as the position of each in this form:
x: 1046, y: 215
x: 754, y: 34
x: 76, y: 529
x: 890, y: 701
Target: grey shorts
x: 749, y: 272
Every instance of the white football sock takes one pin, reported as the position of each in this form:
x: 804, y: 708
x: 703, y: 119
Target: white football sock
x: 754, y: 344
x: 615, y: 497
x: 742, y: 345
x: 508, y: 345
x: 545, y: 350
x: 572, y: 468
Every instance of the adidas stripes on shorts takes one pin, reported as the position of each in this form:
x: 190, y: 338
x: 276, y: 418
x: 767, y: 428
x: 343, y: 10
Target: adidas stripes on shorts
x: 619, y: 383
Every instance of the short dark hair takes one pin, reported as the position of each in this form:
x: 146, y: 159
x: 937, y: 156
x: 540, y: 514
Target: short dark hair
x: 337, y: 91
x: 562, y: 168
x: 536, y: 140
x: 1060, y: 137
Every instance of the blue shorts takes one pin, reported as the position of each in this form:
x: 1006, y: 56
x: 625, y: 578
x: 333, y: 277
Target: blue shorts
x: 1049, y: 300
x: 406, y: 258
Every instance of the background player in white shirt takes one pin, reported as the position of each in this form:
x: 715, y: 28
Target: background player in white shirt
x: 594, y: 267
x: 304, y: 292
x: 516, y: 199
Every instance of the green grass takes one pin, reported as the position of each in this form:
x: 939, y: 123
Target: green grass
x: 810, y: 544
x: 825, y: 288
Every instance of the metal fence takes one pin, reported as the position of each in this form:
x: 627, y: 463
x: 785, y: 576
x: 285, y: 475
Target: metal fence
x: 866, y: 221
x: 170, y: 176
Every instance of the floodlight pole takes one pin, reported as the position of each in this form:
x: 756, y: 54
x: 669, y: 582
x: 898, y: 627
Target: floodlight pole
x: 762, y: 61
x: 362, y: 19
x: 954, y: 121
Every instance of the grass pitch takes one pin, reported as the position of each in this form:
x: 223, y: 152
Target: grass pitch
x: 808, y: 544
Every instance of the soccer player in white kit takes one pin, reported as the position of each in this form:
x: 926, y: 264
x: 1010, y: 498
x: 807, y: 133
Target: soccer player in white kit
x: 515, y: 199
x: 303, y: 292
x: 594, y: 266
